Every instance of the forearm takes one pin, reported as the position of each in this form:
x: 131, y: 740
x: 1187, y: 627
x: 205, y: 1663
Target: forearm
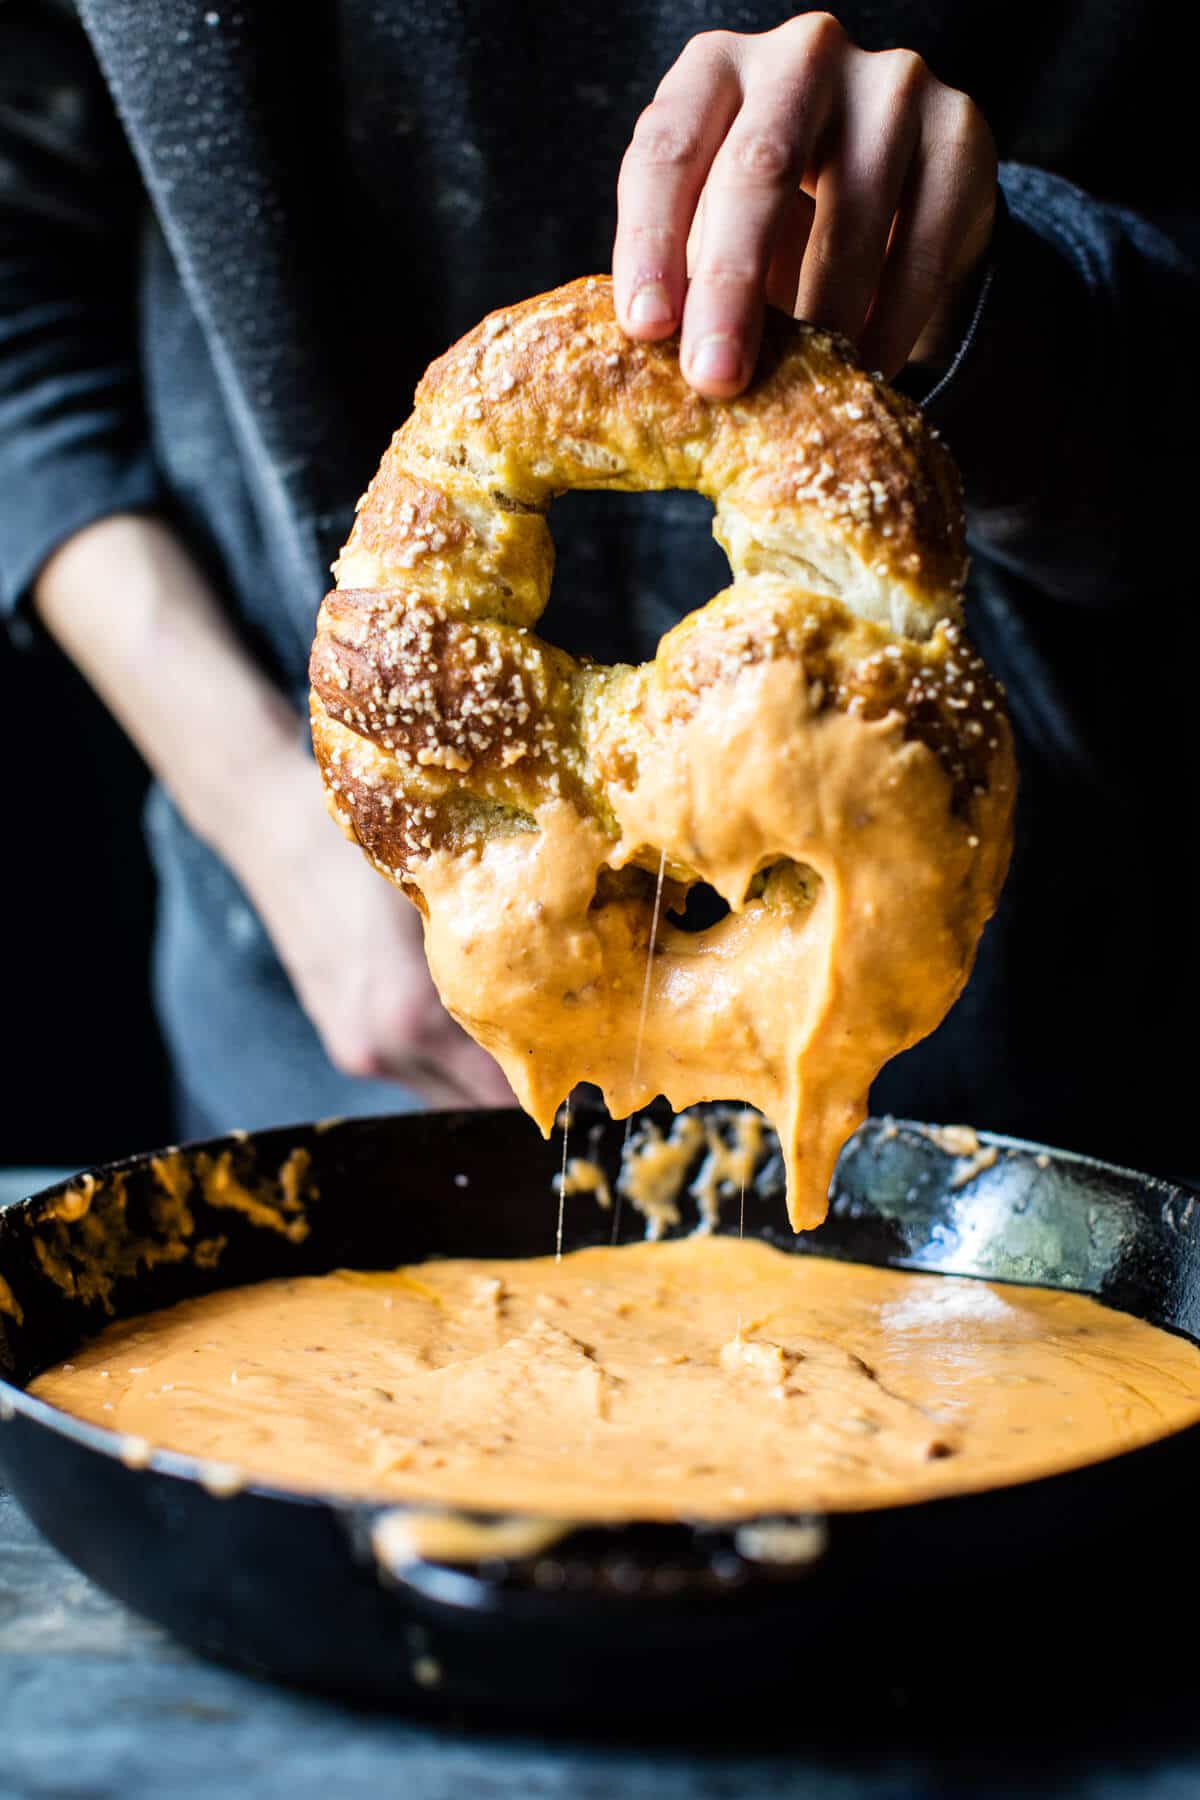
x: 129, y: 606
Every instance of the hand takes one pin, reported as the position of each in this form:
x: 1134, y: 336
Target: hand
x: 352, y: 944
x: 792, y: 168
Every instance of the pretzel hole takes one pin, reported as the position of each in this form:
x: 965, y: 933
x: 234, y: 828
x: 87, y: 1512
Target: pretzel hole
x: 702, y: 908
x: 617, y: 556
x: 784, y: 885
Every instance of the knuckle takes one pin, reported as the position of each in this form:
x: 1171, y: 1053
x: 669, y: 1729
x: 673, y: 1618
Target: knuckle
x: 849, y: 241
x: 726, y: 272
x: 927, y: 267
x: 708, y: 45
x: 662, y: 138
x: 963, y: 127
x: 374, y: 1046
x: 907, y: 70
x: 763, y: 155
x: 654, y: 241
x: 352, y: 1053
x: 815, y: 32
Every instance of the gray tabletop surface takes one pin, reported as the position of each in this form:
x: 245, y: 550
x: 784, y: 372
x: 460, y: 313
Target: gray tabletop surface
x: 96, y: 1704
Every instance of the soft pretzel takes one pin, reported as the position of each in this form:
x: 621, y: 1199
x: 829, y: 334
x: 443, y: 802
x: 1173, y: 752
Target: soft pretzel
x: 818, y: 743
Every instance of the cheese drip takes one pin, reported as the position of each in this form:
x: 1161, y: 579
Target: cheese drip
x: 856, y: 894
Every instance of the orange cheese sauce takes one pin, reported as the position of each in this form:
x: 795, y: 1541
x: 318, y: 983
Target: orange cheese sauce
x: 705, y: 1377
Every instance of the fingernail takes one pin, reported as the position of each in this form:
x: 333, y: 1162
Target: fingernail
x: 651, y: 305
x: 716, y: 358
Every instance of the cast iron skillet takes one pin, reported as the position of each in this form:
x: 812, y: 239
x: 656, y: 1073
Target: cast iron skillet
x: 1070, y: 1571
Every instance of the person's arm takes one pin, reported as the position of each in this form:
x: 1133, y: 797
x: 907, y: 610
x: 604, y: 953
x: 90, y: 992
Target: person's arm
x: 133, y: 612
x: 1049, y: 333
x: 80, y: 540
x: 73, y: 443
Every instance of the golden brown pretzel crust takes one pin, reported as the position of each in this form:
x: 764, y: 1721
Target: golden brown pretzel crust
x: 454, y: 741
x: 821, y: 474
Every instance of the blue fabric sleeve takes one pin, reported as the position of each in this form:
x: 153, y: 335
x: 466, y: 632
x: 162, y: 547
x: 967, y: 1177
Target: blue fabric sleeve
x: 73, y: 443
x: 1070, y: 405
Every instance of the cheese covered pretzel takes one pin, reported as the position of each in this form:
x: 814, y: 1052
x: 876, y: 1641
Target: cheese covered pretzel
x: 818, y: 743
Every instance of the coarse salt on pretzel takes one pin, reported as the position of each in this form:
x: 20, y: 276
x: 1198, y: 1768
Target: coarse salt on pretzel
x: 818, y: 743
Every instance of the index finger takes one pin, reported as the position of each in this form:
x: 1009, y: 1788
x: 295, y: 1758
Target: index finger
x: 662, y: 174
